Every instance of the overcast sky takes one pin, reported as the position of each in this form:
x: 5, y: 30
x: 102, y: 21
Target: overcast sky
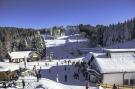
x: 48, y: 13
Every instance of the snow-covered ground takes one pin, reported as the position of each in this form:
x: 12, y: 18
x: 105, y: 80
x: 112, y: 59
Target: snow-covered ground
x: 63, y: 48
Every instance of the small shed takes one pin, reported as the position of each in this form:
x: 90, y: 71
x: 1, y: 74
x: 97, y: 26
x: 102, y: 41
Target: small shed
x: 20, y: 56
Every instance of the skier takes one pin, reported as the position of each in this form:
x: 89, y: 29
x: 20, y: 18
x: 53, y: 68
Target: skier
x: 77, y: 76
x: 65, y: 78
x: 40, y: 75
x: 49, y: 70
x: 78, y: 70
x: 57, y: 78
x: 23, y: 83
x: 68, y: 62
x: 45, y: 64
x: 37, y: 77
x: 34, y: 67
x: 39, y: 71
x: 87, y: 85
x: 57, y: 64
x: 65, y: 61
x: 65, y: 68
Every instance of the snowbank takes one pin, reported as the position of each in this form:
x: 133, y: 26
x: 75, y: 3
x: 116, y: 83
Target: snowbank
x: 8, y: 66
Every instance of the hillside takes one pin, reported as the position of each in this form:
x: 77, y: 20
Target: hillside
x: 109, y: 35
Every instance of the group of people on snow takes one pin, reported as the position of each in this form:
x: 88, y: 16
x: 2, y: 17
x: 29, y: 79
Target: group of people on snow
x: 37, y: 73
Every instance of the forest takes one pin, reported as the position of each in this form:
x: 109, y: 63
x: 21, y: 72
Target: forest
x: 101, y: 35
x: 20, y: 39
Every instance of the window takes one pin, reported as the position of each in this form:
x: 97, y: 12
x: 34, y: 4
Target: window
x: 132, y: 81
x: 125, y: 81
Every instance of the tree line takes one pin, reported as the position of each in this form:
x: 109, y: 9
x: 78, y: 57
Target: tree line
x: 108, y: 35
x: 19, y: 39
x: 99, y: 35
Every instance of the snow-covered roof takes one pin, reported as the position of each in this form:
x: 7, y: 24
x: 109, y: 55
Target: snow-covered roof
x: 20, y: 54
x: 120, y: 50
x: 117, y: 62
x: 8, y: 66
x: 87, y: 57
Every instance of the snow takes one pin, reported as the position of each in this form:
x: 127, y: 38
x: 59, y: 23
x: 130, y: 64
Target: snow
x: 52, y: 43
x: 61, y: 49
x: 20, y: 54
x: 101, y: 87
x: 8, y: 66
x: 120, y: 50
x: 63, y: 39
x: 122, y: 57
x: 118, y: 62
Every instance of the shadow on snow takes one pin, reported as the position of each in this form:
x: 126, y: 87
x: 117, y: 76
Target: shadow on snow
x: 60, y: 70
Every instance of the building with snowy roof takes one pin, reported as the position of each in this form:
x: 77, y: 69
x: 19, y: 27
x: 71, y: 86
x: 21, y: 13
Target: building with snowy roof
x: 115, y: 66
x: 8, y: 71
x: 20, y: 56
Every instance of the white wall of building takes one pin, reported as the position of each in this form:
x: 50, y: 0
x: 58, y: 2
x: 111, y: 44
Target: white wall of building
x: 113, y: 79
x: 117, y: 78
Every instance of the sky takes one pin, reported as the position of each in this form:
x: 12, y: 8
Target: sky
x: 49, y: 13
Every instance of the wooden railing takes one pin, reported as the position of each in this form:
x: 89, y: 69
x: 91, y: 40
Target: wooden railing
x: 109, y: 86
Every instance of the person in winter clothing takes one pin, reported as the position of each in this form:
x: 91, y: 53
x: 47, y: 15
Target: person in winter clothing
x: 65, y: 68
x: 57, y: 78
x: 49, y: 70
x: 65, y: 78
x: 37, y: 77
x: 114, y: 86
x: 23, y: 83
x: 87, y: 85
